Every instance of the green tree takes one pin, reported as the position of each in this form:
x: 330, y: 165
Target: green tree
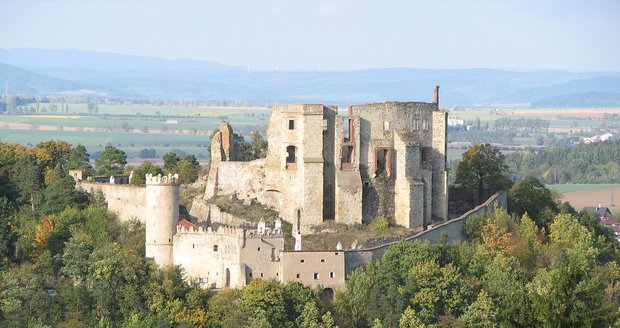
x: 111, y: 161
x: 188, y: 169
x: 139, y: 173
x: 482, y: 168
x: 27, y: 176
x: 265, y: 296
x: 79, y: 159
x: 531, y: 196
x: 170, y: 162
x: 481, y: 313
x: 60, y: 193
x: 409, y: 319
x: 8, y: 235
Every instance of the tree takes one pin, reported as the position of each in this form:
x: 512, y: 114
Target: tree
x: 139, y: 174
x: 79, y: 160
x: 170, y: 161
x: 7, y: 234
x: 265, y: 296
x: 531, y: 196
x: 60, y: 193
x: 482, y: 168
x: 52, y: 153
x: 188, y: 169
x: 481, y: 313
x: 27, y: 176
x: 111, y: 161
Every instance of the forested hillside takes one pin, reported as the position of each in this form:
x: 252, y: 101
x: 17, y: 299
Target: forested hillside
x: 591, y: 163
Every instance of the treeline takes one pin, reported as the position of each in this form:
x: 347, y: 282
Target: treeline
x: 521, y: 125
x: 591, y: 163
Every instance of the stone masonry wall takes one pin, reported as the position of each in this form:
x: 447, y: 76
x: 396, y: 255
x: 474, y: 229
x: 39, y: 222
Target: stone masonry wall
x: 128, y: 202
x: 378, y: 124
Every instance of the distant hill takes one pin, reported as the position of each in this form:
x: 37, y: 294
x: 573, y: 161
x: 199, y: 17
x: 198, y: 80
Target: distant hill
x: 37, y: 71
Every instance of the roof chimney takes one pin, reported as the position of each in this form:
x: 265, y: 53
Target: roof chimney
x: 436, y: 98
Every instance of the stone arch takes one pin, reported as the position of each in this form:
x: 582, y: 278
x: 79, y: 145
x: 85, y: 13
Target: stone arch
x: 327, y: 294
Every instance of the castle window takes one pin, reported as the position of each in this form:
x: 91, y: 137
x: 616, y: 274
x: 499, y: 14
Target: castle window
x: 193, y: 246
x: 416, y: 124
x: 324, y: 126
x: 298, y: 276
x: 215, y: 248
x: 382, y: 160
x: 347, y: 157
x: 366, y: 183
x: 250, y: 274
x: 336, y: 253
x: 302, y: 261
x: 291, y: 158
x: 259, y: 249
x: 322, y: 260
x: 348, y: 124
x: 386, y: 126
x: 291, y: 124
x: 316, y: 276
x: 332, y: 274
x: 261, y: 274
x: 424, y: 124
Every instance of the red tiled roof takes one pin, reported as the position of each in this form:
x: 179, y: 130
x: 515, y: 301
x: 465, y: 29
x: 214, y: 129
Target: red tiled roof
x: 186, y: 224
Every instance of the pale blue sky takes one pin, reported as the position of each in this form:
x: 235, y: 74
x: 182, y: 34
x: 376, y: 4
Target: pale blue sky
x: 330, y: 34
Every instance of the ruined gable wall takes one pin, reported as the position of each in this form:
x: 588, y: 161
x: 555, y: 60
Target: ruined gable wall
x: 128, y: 202
x: 415, y: 117
x: 245, y: 179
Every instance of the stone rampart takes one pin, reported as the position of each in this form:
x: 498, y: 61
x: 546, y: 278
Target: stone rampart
x: 128, y: 202
x: 452, y: 228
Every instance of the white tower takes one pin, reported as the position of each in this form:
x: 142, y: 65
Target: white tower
x: 162, y: 216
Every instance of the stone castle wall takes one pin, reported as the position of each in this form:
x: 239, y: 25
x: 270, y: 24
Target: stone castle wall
x: 128, y: 202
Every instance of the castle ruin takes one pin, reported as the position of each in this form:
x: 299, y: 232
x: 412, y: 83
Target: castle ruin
x: 382, y: 159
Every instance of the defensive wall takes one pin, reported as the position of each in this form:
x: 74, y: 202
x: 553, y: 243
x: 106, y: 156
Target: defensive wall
x: 128, y: 202
x: 453, y: 229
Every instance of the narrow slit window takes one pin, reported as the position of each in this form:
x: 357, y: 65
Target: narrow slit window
x: 291, y: 124
x: 386, y: 126
x: 316, y: 276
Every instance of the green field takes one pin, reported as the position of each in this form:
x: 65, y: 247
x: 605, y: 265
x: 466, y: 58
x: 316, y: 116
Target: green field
x: 562, y: 188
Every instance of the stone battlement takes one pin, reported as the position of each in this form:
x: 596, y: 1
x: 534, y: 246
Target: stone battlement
x: 170, y: 179
x: 247, y: 231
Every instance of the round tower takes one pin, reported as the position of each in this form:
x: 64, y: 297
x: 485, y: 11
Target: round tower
x: 162, y: 216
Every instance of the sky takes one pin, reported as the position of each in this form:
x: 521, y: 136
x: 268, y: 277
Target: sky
x: 329, y: 34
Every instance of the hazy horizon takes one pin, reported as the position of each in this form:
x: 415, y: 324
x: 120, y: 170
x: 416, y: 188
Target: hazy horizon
x: 329, y: 35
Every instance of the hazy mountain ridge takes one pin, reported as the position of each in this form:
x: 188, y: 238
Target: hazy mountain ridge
x: 53, y: 71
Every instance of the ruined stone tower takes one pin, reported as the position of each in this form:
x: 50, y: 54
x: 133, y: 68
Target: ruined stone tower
x: 379, y: 159
x: 162, y: 216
